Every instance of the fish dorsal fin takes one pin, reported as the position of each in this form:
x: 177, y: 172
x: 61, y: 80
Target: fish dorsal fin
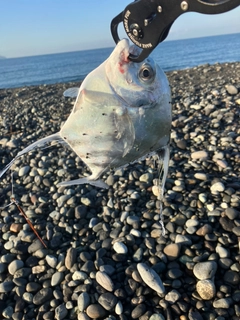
x: 71, y: 92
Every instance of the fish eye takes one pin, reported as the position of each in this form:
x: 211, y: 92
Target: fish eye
x: 146, y: 73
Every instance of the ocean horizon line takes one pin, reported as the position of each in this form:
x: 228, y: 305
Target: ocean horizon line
x: 111, y: 47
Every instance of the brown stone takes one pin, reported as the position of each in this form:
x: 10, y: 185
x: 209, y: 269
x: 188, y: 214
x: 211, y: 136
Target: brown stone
x: 16, y: 227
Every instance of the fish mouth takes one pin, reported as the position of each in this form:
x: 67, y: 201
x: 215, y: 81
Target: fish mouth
x: 133, y: 50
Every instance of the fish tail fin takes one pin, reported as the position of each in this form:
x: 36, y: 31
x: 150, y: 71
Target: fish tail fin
x: 34, y: 145
x: 95, y: 183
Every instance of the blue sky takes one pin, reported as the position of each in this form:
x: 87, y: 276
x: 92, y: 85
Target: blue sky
x: 32, y: 27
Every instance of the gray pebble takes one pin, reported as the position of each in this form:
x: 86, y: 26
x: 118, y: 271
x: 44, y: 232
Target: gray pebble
x: 36, y: 245
x: 107, y: 300
x: 231, y: 277
x: 83, y: 301
x: 172, y: 296
x: 138, y: 255
x: 70, y: 258
x: 27, y: 296
x: 23, y: 171
x: 95, y: 311
x: 7, y: 312
x: 217, y: 187
x: 138, y: 311
x: 51, y: 261
x: 223, y: 303
x: 14, y: 266
x: 232, y: 213
x: 107, y: 268
x: 79, y: 275
x: 222, y: 252
x: 57, y: 278
x: 183, y: 240
x: 150, y: 278
x: 120, y: 247
x: 105, y: 281
x: 6, y: 286
x: 61, y: 312
x: 205, y: 270
x: 42, y: 296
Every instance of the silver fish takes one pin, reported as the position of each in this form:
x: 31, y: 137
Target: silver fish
x: 122, y: 114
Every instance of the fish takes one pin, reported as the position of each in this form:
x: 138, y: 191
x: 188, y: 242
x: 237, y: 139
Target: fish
x: 121, y: 115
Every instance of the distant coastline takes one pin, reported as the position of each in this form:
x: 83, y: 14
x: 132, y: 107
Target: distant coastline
x: 2, y: 57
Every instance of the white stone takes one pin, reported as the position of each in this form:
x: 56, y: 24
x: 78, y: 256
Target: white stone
x: 119, y: 308
x: 120, y: 247
x: 217, y: 187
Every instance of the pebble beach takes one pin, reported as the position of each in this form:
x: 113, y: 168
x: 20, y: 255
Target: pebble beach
x: 106, y: 255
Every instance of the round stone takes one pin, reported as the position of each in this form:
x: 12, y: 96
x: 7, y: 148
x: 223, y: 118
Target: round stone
x: 14, y: 266
x: 206, y: 289
x: 205, y: 270
x: 95, y: 311
x: 231, y: 89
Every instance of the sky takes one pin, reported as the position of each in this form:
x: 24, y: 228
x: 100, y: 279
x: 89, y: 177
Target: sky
x: 35, y: 27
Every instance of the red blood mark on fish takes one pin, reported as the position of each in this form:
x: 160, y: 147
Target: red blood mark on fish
x: 123, y: 60
x: 121, y: 68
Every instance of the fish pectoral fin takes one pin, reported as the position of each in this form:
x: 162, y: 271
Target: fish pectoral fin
x: 95, y: 183
x: 34, y: 145
x: 71, y: 92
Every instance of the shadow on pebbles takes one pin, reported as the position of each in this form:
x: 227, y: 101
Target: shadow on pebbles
x: 106, y: 255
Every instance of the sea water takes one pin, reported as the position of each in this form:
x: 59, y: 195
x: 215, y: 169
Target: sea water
x: 74, y: 66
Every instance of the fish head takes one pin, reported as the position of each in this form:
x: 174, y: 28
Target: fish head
x: 138, y: 84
